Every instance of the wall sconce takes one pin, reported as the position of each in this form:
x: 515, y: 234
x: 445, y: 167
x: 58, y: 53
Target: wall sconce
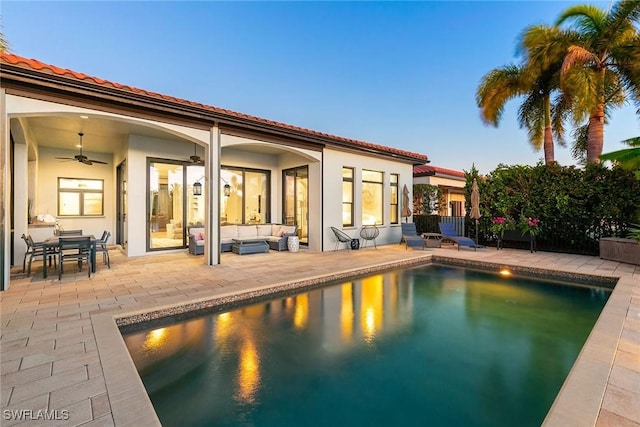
x: 197, y: 187
x: 227, y: 188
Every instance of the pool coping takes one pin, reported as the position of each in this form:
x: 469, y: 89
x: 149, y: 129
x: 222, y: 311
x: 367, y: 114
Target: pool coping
x: 578, y: 402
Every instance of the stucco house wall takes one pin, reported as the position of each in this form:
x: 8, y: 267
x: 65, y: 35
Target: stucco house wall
x: 334, y: 161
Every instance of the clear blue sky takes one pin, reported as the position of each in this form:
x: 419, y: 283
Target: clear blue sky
x: 391, y: 73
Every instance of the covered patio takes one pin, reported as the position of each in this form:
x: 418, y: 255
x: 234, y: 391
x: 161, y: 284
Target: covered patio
x: 61, y: 349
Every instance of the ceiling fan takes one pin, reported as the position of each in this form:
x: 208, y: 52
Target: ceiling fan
x: 195, y: 159
x: 81, y: 157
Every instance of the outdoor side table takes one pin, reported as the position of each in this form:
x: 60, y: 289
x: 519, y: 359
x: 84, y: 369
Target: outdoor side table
x: 432, y: 240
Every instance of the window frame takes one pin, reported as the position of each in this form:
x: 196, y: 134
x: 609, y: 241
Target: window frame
x: 351, y: 181
x: 80, y: 192
x: 267, y: 202
x: 394, y: 204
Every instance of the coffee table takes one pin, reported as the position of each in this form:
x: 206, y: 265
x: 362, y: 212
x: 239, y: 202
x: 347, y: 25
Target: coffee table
x: 249, y: 246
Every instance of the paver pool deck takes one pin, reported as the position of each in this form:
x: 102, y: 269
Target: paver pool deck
x: 60, y: 350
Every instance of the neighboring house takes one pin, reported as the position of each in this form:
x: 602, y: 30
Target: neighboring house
x: 169, y: 163
x: 451, y: 182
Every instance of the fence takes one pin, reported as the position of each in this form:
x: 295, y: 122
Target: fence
x: 429, y: 223
x: 556, y: 236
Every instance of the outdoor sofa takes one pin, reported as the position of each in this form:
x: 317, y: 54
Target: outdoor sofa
x: 276, y: 236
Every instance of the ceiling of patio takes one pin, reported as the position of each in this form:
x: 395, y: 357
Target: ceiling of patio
x: 100, y: 135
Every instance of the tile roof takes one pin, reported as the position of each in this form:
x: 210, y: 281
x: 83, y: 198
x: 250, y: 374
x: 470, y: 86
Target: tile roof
x: 16, y: 60
x: 421, y: 170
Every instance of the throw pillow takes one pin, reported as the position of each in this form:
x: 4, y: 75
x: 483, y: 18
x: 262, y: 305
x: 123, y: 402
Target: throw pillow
x: 198, y: 237
x: 201, y: 236
x: 280, y: 233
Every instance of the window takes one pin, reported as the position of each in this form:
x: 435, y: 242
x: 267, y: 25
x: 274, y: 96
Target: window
x: 244, y: 198
x: 347, y: 197
x: 80, y: 197
x: 393, y: 197
x: 372, y: 184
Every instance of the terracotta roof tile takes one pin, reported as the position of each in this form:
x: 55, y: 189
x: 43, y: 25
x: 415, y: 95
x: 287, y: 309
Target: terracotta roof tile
x: 432, y: 170
x: 51, y: 69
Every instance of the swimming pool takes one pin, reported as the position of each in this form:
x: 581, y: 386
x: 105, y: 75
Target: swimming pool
x: 434, y: 345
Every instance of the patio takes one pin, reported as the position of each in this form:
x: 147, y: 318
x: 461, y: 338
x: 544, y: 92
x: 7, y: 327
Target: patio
x: 59, y: 350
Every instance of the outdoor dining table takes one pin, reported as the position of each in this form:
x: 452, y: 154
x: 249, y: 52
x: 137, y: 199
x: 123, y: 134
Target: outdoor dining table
x: 50, y: 243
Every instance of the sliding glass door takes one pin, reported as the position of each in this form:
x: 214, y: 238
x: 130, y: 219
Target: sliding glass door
x: 296, y: 200
x: 173, y: 204
x: 165, y: 213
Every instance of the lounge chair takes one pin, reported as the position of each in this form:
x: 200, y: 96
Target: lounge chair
x: 410, y: 236
x: 449, y: 233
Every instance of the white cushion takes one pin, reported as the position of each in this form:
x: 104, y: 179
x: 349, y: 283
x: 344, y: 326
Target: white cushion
x: 228, y: 231
x: 274, y: 229
x: 264, y: 229
x: 196, y: 230
x: 247, y: 231
x: 289, y: 229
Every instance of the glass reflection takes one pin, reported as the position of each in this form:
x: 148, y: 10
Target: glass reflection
x: 346, y: 313
x: 248, y: 373
x: 301, y: 313
x: 371, y: 308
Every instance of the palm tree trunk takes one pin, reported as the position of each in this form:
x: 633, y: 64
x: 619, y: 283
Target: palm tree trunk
x: 595, y: 137
x: 549, y: 155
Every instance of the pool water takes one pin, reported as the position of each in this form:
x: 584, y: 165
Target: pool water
x: 434, y: 345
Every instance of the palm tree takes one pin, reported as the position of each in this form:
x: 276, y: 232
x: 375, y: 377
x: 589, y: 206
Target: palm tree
x: 628, y: 158
x: 603, y: 68
x: 536, y: 80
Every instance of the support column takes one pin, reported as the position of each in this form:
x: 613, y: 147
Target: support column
x: 212, y: 207
x: 5, y: 198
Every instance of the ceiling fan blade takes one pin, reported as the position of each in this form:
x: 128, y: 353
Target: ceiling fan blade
x: 64, y: 158
x: 86, y: 162
x: 98, y: 161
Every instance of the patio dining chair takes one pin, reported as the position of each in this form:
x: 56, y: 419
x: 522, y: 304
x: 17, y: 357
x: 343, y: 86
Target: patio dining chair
x: 77, y: 249
x: 34, y: 249
x: 342, y: 237
x: 101, y: 246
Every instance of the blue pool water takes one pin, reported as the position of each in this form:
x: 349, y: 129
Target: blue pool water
x: 428, y: 346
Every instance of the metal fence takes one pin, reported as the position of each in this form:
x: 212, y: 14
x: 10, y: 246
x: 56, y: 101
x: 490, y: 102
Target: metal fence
x: 558, y: 236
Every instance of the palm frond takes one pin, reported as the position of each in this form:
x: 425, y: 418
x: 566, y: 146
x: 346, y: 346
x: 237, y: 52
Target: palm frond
x: 583, y: 85
x: 560, y: 113
x: 577, y: 55
x: 496, y: 88
x: 586, y: 19
x: 579, y: 145
x: 531, y: 117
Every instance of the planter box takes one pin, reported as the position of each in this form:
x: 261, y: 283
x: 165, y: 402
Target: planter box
x: 621, y: 250
x: 517, y: 236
